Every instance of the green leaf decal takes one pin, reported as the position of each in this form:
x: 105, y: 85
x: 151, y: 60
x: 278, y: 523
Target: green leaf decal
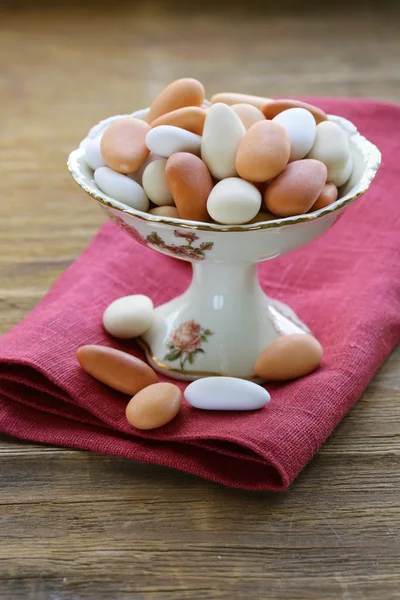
x: 208, y: 332
x: 154, y: 238
x: 203, y: 338
x: 173, y: 354
x: 191, y: 357
x: 206, y: 245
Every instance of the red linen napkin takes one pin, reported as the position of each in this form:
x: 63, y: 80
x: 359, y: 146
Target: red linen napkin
x: 345, y: 286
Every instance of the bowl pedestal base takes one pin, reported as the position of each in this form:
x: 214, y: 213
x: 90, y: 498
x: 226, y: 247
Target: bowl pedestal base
x: 219, y: 326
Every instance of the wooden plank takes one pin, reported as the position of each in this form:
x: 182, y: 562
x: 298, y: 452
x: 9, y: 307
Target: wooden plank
x: 105, y: 514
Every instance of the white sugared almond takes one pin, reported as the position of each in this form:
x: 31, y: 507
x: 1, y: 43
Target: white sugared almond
x: 155, y: 185
x: 138, y: 174
x: 226, y: 393
x: 121, y: 188
x: 331, y: 148
x: 233, y: 201
x: 93, y: 154
x: 301, y: 128
x: 165, y: 140
x: 128, y: 317
x: 340, y: 177
x: 222, y: 134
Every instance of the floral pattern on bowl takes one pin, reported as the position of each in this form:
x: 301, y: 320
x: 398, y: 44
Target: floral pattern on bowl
x: 185, y: 342
x: 154, y: 240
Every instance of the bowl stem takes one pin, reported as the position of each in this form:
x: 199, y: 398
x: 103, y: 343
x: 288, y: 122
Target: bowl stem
x: 219, y: 325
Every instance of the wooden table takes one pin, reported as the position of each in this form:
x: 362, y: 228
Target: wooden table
x: 75, y: 525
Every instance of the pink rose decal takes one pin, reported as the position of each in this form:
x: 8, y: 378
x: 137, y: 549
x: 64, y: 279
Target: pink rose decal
x: 186, y: 336
x: 187, y: 235
x: 175, y: 250
x: 128, y: 228
x: 185, y: 342
x: 154, y: 240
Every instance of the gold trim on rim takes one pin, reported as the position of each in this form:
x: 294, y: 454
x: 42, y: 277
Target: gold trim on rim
x: 370, y: 152
x: 162, y: 365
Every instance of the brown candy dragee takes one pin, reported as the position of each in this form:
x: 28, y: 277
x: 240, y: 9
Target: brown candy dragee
x: 263, y: 152
x: 123, y: 145
x: 190, y: 183
x: 154, y: 406
x: 296, y: 189
x: 327, y: 196
x: 274, y: 107
x: 178, y: 94
x: 190, y: 118
x: 290, y: 356
x: 119, y: 370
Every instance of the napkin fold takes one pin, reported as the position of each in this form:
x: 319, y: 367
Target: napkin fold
x: 345, y: 286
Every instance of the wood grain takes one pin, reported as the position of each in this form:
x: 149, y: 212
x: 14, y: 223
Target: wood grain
x: 77, y: 526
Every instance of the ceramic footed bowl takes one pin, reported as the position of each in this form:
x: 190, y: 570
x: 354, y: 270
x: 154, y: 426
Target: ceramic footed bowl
x: 197, y: 333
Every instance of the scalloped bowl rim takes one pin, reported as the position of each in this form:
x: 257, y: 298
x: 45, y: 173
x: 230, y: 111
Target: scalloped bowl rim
x: 369, y: 151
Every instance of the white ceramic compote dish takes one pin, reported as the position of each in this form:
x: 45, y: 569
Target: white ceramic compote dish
x: 197, y: 333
